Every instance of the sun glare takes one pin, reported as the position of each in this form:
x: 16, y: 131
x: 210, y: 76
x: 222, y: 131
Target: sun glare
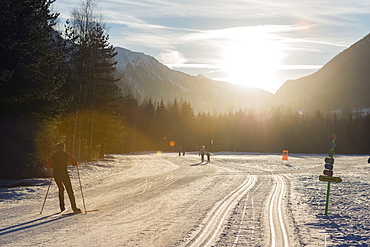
x: 252, y: 59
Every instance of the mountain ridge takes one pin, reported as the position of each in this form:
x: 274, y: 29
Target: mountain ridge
x: 343, y: 82
x: 149, y: 78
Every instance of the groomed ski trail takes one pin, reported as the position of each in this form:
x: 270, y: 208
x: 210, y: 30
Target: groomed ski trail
x: 215, y: 220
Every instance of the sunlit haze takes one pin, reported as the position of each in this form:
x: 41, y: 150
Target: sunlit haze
x: 254, y: 43
x: 252, y: 58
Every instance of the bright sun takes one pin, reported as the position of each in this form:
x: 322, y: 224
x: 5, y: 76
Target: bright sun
x: 252, y: 59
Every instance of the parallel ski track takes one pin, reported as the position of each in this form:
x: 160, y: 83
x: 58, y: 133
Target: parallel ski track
x: 214, y: 222
x: 278, y: 232
x: 279, y: 235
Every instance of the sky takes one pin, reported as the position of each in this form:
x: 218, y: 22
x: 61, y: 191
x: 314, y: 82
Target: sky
x: 256, y: 43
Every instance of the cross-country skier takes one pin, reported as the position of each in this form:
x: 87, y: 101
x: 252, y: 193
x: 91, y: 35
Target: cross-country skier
x: 59, y: 162
x: 208, y: 157
x: 202, y: 152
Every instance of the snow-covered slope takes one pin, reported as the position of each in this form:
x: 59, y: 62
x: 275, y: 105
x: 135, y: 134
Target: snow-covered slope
x: 162, y: 199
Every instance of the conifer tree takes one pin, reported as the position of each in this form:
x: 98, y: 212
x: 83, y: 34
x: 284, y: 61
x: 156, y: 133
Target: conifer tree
x: 93, y: 80
x: 30, y: 81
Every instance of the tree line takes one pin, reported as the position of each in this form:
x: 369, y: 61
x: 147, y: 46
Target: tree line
x: 55, y: 86
x: 62, y: 86
x: 246, y: 130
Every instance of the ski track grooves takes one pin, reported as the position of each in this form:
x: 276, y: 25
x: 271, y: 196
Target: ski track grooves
x: 275, y: 215
x: 214, y: 221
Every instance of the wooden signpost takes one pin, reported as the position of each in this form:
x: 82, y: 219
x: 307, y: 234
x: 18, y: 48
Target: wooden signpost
x: 330, y: 179
x: 328, y: 172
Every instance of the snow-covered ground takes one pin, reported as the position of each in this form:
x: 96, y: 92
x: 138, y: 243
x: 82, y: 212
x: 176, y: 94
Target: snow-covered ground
x: 166, y: 200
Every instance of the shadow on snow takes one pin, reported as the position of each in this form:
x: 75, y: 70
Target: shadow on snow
x: 33, y: 223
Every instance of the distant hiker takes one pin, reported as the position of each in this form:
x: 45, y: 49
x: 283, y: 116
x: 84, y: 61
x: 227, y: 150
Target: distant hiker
x: 202, y: 152
x: 208, y: 157
x: 59, y: 162
x: 180, y: 151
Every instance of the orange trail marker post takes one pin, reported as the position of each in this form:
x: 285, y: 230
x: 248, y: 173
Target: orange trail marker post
x: 285, y: 154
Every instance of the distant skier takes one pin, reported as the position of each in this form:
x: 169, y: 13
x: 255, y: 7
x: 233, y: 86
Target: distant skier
x: 181, y: 151
x: 202, y: 152
x: 59, y: 162
x: 208, y: 157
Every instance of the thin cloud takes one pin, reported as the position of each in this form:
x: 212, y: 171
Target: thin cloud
x: 300, y: 67
x: 172, y: 57
x: 239, y: 9
x: 132, y: 22
x: 216, y: 66
x: 194, y: 66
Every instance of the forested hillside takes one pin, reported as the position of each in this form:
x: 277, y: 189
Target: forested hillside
x: 248, y: 131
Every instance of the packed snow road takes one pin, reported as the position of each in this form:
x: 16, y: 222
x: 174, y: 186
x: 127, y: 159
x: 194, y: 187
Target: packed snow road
x: 239, y: 199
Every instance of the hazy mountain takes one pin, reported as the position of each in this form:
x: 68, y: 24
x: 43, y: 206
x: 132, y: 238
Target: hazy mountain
x: 343, y: 83
x: 148, y: 78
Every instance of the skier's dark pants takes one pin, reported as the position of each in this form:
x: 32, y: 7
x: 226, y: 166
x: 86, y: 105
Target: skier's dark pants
x: 65, y: 181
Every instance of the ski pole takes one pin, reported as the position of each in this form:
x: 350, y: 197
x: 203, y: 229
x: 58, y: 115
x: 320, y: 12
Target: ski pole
x: 47, y: 192
x: 79, y: 179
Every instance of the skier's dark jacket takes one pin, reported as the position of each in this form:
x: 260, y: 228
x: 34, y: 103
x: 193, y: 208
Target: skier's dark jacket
x: 59, y: 162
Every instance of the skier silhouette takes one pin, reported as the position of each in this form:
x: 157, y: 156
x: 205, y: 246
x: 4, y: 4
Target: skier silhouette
x: 208, y: 157
x: 202, y: 152
x: 59, y: 162
x: 181, y: 151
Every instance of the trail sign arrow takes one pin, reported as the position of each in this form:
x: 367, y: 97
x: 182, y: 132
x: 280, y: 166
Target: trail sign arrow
x: 329, y: 166
x: 329, y: 160
x: 328, y: 173
x: 330, y: 179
